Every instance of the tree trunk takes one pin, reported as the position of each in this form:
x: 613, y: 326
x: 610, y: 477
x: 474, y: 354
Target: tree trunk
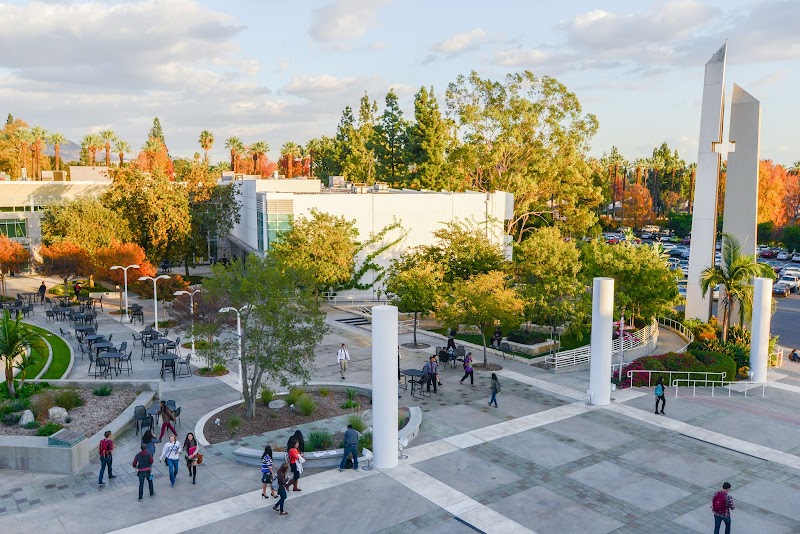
x: 57, y: 148
x: 483, y: 338
x: 415, y: 329
x: 726, y: 319
x: 186, y: 267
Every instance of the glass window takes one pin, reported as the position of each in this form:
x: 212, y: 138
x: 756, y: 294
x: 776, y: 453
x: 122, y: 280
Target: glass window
x: 13, y: 227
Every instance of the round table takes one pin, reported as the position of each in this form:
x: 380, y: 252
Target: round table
x: 100, y: 345
x: 112, y: 356
x: 160, y: 343
x: 164, y: 358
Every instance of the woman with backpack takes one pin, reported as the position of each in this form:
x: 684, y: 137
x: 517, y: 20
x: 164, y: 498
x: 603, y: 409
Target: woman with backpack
x: 660, y: 397
x: 266, y: 473
x: 167, y: 418
x: 495, y: 390
x: 468, y: 370
x: 149, y: 442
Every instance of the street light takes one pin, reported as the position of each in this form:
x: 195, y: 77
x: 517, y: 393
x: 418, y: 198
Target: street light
x: 124, y: 316
x: 191, y: 307
x: 621, y: 342
x: 238, y: 333
x: 155, y: 294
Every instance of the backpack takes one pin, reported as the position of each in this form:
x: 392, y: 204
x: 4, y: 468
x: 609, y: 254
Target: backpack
x: 659, y: 390
x: 718, y: 503
x: 104, y: 449
x: 497, y: 385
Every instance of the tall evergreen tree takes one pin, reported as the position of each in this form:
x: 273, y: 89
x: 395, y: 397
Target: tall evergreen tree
x: 389, y: 141
x: 156, y: 131
x: 427, y: 142
x: 344, y: 138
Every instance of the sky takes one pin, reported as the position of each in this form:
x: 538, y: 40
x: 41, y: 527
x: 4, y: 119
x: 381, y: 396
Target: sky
x: 283, y: 70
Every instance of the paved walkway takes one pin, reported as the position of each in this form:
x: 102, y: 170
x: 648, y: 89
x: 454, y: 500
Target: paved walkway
x: 541, y: 462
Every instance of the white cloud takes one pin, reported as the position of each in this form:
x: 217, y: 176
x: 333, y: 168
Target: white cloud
x: 343, y: 21
x: 460, y: 42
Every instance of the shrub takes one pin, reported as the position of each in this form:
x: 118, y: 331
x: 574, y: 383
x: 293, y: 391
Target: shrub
x: 525, y: 337
x: 219, y: 369
x: 68, y: 399
x: 49, y: 429
x: 234, y: 423
x: 266, y: 395
x: 351, y: 394
x: 324, y: 392
x: 10, y: 419
x: 19, y: 405
x: 306, y: 405
x: 717, y: 362
x: 319, y: 440
x: 42, y: 403
x: 103, y: 391
x: 365, y: 441
x: 294, y: 396
x: 357, y: 421
x: 32, y: 425
x: 349, y: 404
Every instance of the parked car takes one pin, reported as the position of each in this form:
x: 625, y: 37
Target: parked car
x: 675, y: 239
x: 781, y: 289
x: 715, y: 292
x: 796, y: 257
x: 647, y: 235
x: 718, y: 246
x: 792, y: 281
x: 768, y: 253
x: 782, y: 256
x: 686, y: 241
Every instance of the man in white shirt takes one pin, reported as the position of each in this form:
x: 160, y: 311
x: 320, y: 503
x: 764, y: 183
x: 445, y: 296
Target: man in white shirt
x: 343, y: 356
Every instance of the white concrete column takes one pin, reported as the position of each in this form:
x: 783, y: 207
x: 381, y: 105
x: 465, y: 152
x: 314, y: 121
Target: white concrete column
x: 384, y: 386
x: 762, y: 315
x: 602, y: 329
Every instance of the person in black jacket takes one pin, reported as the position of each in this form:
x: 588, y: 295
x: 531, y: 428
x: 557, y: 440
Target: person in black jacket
x: 143, y: 462
x: 298, y: 437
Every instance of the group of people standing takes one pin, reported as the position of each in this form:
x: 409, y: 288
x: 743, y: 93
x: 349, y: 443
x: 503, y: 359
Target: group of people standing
x: 280, y: 480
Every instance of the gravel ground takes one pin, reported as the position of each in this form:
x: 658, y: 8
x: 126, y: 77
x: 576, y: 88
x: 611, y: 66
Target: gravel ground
x: 95, y: 413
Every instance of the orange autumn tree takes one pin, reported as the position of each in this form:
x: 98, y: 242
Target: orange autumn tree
x: 638, y: 206
x: 773, y: 180
x: 13, y: 258
x: 64, y: 260
x: 122, y: 254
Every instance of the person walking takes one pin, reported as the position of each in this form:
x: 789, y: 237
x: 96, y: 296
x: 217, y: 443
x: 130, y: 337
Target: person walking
x: 350, y: 447
x: 192, y: 451
x: 149, y: 441
x: 266, y: 473
x: 451, y: 341
x: 105, y: 450
x: 172, y: 453
x: 167, y: 418
x: 42, y: 291
x: 283, y: 483
x: 660, y: 393
x: 495, y: 390
x: 143, y: 462
x: 721, y: 505
x: 468, y: 370
x: 298, y: 437
x: 342, y: 357
x: 431, y: 370
x: 294, y: 464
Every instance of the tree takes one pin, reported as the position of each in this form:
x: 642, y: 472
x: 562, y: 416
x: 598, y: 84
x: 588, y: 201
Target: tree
x: 161, y: 209
x: 638, y: 207
x: 121, y: 148
x: 206, y: 142
x: 354, y: 142
x: 156, y: 132
x: 280, y: 319
x: 155, y: 158
x: 57, y: 139
x: 389, y: 141
x: 642, y: 282
x: 772, y: 193
x: 485, y: 301
x: 92, y: 143
x: 680, y: 223
x: 464, y: 250
x: 290, y: 151
x: 258, y: 151
x: 324, y: 163
x: 16, y: 341
x: 122, y: 254
x: 791, y: 238
x: 13, y: 258
x: 11, y: 153
x: 323, y: 245
x: 108, y: 137
x: 64, y: 260
x: 428, y: 140
x: 547, y: 269
x: 39, y: 136
x: 414, y: 285
x: 235, y: 145
x: 84, y: 221
x: 734, y: 275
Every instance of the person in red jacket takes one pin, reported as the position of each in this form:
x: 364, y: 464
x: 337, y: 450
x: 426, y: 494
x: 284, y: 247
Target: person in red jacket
x: 104, y: 450
x: 143, y: 462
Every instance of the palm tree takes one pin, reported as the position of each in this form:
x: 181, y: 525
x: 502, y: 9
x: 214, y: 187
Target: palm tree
x: 289, y: 150
x: 39, y: 141
x: 206, y: 142
x: 108, y: 137
x: 92, y: 143
x: 795, y: 168
x: 15, y: 342
x: 121, y: 148
x: 734, y: 275
x: 57, y: 139
x: 25, y: 139
x: 235, y: 145
x: 258, y: 150
x: 150, y: 148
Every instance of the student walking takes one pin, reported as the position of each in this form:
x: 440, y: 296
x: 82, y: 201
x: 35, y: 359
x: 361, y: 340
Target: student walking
x: 105, y: 449
x: 468, y: 370
x: 350, y: 447
x: 266, y: 473
x: 283, y: 483
x: 149, y: 441
x: 495, y: 390
x: 167, y: 418
x: 298, y: 437
x: 431, y: 370
x: 172, y: 453
x: 192, y: 455
x: 342, y: 357
x: 143, y: 462
x: 721, y: 505
x: 660, y: 392
x: 294, y: 463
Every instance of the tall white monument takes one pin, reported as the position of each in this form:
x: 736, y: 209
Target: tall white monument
x: 602, y: 329
x: 704, y: 219
x: 762, y: 315
x: 384, y: 386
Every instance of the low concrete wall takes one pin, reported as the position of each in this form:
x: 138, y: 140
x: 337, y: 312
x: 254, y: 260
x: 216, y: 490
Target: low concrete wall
x: 32, y: 453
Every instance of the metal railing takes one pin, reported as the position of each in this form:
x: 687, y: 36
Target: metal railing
x: 679, y: 329
x: 707, y: 375
x: 722, y: 383
x: 778, y: 356
x: 353, y: 296
x: 583, y: 354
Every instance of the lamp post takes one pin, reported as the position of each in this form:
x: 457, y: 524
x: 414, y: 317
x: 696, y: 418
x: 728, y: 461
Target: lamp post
x: 621, y: 342
x: 238, y: 334
x: 124, y: 316
x: 191, y: 307
x: 155, y: 294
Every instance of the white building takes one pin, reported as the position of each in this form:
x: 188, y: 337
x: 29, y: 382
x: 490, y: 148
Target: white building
x: 269, y: 206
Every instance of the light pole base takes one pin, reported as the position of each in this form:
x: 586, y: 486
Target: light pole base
x: 124, y: 317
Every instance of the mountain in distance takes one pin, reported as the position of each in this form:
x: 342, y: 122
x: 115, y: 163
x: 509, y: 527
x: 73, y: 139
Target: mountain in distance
x: 70, y: 151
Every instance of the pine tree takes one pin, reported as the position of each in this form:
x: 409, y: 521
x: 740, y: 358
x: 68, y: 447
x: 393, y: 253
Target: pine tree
x: 353, y: 142
x: 389, y: 141
x: 428, y: 139
x: 343, y: 141
x: 156, y: 131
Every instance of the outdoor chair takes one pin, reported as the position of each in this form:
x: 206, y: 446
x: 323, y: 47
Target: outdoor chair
x: 27, y: 310
x: 102, y: 368
x: 141, y: 418
x: 136, y: 337
x: 110, y: 336
x: 184, y: 362
x: 84, y: 352
x: 65, y: 333
x: 172, y: 405
x: 137, y: 314
x: 122, y: 347
x: 145, y: 346
x: 175, y: 346
x: 166, y: 333
x: 125, y: 363
x: 505, y: 348
x: 92, y: 362
x: 177, y: 413
x: 48, y: 301
x: 50, y: 315
x: 418, y: 386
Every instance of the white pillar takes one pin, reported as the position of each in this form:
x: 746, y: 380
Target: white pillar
x: 384, y: 386
x: 602, y: 328
x: 759, y: 342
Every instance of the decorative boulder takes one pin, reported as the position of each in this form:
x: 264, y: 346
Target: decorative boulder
x: 56, y: 414
x: 27, y: 417
x: 277, y: 404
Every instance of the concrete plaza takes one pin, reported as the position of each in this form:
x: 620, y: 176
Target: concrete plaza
x: 541, y: 462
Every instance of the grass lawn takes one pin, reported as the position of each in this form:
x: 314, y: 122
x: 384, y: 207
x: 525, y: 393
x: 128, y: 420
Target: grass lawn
x: 61, y: 355
x: 38, y: 347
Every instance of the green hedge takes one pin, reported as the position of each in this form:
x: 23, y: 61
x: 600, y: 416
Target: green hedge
x: 717, y: 362
x: 696, y: 361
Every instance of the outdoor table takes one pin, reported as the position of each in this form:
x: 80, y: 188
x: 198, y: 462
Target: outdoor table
x: 153, y: 411
x: 30, y: 296
x: 116, y: 356
x: 160, y: 344
x: 164, y: 358
x: 91, y: 338
x: 100, y: 345
x: 79, y: 330
x: 64, y: 299
x: 413, y: 373
x: 17, y: 309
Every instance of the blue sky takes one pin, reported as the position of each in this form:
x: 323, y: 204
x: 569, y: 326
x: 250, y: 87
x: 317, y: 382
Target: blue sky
x: 281, y: 70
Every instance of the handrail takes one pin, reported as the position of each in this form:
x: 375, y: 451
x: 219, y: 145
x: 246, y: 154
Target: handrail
x: 678, y: 328
x: 706, y: 375
x: 583, y: 354
x: 722, y: 383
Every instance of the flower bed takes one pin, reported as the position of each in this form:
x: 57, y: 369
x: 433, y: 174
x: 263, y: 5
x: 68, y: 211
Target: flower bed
x: 695, y: 361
